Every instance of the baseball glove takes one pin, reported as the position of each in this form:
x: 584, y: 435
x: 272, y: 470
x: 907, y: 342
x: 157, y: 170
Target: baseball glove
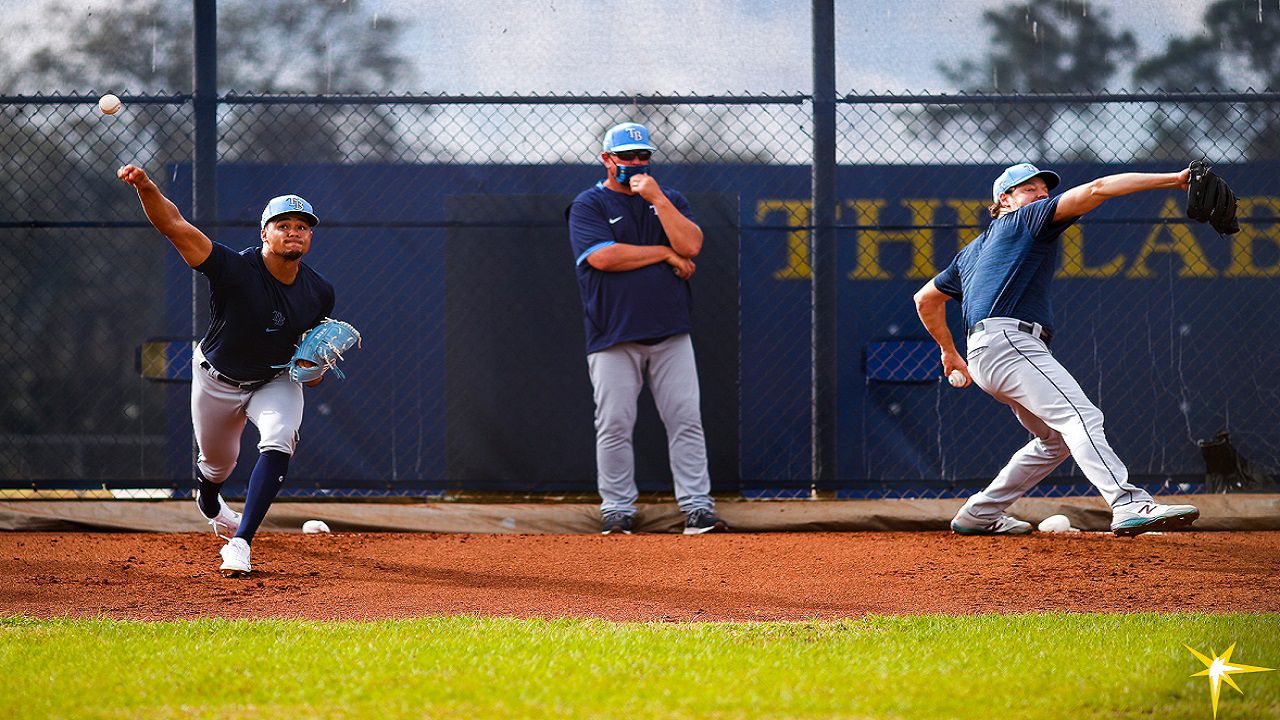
x: 1210, y: 200
x: 320, y: 349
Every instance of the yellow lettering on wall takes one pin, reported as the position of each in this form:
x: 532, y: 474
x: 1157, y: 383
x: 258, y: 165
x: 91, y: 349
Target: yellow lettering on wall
x: 1243, y: 262
x: 1073, y: 262
x: 968, y: 212
x: 867, y: 212
x: 1181, y: 241
x: 793, y: 212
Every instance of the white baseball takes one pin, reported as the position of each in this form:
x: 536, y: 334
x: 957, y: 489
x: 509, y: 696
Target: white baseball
x: 956, y: 378
x: 109, y: 104
x: 314, y: 526
x: 1056, y: 524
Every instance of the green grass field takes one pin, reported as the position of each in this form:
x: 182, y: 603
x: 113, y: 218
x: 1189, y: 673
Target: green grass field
x: 1020, y: 666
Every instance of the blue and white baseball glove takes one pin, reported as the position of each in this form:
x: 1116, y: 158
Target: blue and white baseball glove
x: 320, y: 350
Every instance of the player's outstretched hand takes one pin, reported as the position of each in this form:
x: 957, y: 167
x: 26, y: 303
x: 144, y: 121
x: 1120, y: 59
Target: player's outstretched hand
x: 133, y: 175
x: 1184, y: 179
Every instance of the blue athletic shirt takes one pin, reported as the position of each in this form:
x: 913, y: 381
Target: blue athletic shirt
x: 1007, y: 270
x: 643, y: 304
x: 255, y: 319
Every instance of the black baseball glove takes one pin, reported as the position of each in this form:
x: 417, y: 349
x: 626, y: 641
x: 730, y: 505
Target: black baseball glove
x: 1209, y: 199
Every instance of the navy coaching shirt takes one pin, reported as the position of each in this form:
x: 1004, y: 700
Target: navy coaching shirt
x: 255, y: 319
x: 1007, y: 270
x: 643, y: 304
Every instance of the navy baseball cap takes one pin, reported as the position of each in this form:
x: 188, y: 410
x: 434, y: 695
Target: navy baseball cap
x: 627, y: 136
x: 288, y: 204
x: 1015, y: 175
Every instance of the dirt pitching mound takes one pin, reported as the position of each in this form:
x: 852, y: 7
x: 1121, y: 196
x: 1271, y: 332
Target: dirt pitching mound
x: 774, y: 576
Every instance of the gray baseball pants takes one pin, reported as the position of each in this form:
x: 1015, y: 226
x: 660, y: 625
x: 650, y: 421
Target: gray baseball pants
x: 618, y: 373
x: 1017, y: 369
x: 219, y: 412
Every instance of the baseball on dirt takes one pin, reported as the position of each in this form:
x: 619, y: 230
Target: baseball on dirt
x: 109, y: 104
x: 312, y: 527
x: 956, y: 378
x: 1056, y: 523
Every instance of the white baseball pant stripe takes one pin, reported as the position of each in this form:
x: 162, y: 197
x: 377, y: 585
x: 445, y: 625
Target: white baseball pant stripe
x: 1017, y: 369
x: 618, y: 373
x: 219, y: 412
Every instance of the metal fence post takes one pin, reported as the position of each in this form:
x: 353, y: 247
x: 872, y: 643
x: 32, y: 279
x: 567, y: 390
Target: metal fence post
x: 205, y: 106
x: 823, y: 248
x: 204, y: 165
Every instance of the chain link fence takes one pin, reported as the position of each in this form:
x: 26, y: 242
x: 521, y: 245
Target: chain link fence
x: 443, y: 232
x: 1159, y: 318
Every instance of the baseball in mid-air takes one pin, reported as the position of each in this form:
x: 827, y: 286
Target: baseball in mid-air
x: 109, y: 104
x: 1056, y: 523
x: 956, y: 378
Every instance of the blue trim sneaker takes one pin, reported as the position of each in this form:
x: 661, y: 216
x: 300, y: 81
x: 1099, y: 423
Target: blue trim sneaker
x: 235, y: 558
x: 1143, y: 517
x: 702, y: 521
x: 225, y: 523
x: 616, y: 522
x: 964, y: 524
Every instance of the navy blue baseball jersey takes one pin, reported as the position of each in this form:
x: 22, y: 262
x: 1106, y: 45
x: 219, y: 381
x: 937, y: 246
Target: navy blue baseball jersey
x: 1007, y: 270
x: 255, y: 319
x: 643, y: 304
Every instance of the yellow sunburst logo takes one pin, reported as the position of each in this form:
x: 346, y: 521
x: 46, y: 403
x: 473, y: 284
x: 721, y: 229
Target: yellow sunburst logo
x: 1219, y: 668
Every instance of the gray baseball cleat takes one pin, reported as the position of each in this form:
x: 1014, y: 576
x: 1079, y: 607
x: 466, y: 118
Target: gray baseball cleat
x: 964, y: 524
x: 235, y: 558
x: 616, y: 522
x: 225, y: 523
x: 1143, y: 517
x: 702, y: 521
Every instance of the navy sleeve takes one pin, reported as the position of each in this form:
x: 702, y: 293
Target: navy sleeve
x: 680, y: 204
x: 1039, y: 217
x: 215, y: 266
x: 588, y: 229
x: 948, y: 281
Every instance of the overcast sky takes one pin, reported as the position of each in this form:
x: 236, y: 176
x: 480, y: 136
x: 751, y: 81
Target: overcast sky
x: 677, y: 46
x: 721, y: 45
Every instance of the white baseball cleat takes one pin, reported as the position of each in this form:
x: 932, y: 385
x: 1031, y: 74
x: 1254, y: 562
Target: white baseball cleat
x: 226, y: 522
x: 235, y: 558
x: 1143, y: 517
x: 964, y: 524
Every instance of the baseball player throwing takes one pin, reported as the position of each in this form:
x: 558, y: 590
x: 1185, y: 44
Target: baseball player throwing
x: 261, y: 300
x: 1002, y: 281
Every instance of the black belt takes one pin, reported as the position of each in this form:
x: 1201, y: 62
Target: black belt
x: 245, y: 386
x: 1025, y: 327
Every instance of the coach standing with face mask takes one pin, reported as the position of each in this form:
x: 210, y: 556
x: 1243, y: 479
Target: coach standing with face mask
x: 634, y: 242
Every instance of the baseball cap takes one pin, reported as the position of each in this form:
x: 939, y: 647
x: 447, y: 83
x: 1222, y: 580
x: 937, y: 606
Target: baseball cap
x: 288, y: 204
x: 627, y: 136
x: 1015, y: 175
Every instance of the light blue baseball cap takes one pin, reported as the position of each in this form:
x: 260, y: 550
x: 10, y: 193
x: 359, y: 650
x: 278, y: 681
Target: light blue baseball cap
x: 285, y: 204
x: 627, y: 136
x: 1015, y: 175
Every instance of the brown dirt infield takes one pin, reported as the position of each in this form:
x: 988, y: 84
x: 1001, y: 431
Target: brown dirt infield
x: 768, y: 576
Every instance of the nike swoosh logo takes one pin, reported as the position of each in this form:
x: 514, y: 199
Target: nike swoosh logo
x: 614, y: 220
x: 273, y: 329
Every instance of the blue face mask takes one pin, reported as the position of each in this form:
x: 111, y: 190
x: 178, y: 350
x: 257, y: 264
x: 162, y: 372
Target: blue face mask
x: 625, y: 172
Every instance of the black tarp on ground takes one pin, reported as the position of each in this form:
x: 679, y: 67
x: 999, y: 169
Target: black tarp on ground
x: 1218, y: 512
